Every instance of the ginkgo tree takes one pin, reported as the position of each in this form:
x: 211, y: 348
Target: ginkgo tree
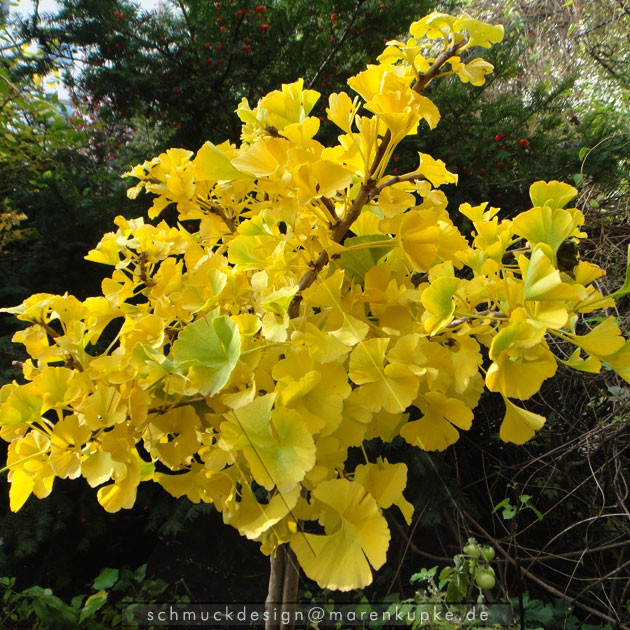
x: 305, y: 301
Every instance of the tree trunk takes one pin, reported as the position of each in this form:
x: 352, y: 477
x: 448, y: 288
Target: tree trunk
x: 283, y: 589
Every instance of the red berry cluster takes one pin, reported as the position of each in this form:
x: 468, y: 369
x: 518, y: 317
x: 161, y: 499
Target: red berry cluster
x: 240, y: 12
x: 263, y: 28
x: 119, y: 15
x: 260, y: 9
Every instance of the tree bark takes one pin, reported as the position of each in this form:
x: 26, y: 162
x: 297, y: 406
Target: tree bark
x: 290, y: 587
x: 283, y: 590
x: 275, y: 590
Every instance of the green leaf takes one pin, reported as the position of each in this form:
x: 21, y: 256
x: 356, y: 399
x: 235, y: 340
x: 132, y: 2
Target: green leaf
x: 77, y: 601
x: 210, y: 347
x: 106, y: 579
x: 140, y: 573
x: 577, y: 178
x: 582, y: 153
x: 94, y: 602
x: 571, y: 28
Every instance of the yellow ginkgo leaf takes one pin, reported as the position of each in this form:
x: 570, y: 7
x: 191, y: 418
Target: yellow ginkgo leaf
x: 391, y: 387
x: 605, y: 339
x: 213, y: 163
x: 252, y: 518
x: 544, y: 225
x: 122, y: 493
x: 552, y: 194
x: 174, y: 436
x: 21, y: 406
x: 67, y: 441
x: 356, y: 537
x: 386, y: 482
x: 314, y: 391
x: 519, y: 425
x: 341, y: 110
x: 276, y: 444
x: 438, y: 300
x: 473, y: 72
x: 479, y: 33
x: 520, y: 374
x: 541, y: 280
x: 27, y: 459
x: 324, y: 347
x: 619, y: 361
x: 419, y: 236
x: 435, y: 430
x: 590, y: 364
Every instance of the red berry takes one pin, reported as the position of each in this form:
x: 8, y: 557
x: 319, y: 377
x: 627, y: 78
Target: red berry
x: 482, y: 171
x: 397, y: 159
x: 246, y: 40
x: 396, y: 170
x: 217, y: 5
x: 260, y: 9
x: 247, y: 48
x: 222, y: 29
x: 206, y: 45
x: 523, y: 142
x: 500, y: 164
x: 263, y: 28
x: 219, y: 20
x: 208, y: 61
x: 333, y: 16
x: 332, y: 38
x: 499, y: 137
x: 502, y: 147
x: 219, y: 47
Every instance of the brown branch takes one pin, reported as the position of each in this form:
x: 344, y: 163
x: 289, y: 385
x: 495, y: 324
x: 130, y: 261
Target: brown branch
x: 220, y: 212
x: 518, y: 250
x: 410, y: 177
x: 368, y: 189
x: 330, y: 206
